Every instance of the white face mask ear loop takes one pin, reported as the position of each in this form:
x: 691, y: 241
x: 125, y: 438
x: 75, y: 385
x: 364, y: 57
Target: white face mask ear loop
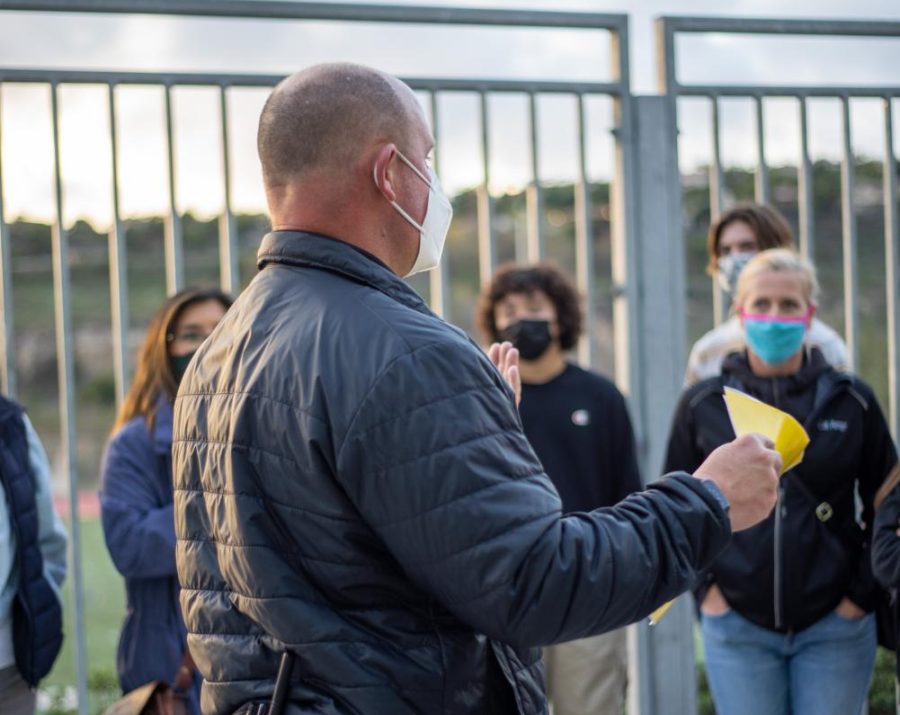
x: 397, y: 206
x: 407, y: 216
x: 415, y: 169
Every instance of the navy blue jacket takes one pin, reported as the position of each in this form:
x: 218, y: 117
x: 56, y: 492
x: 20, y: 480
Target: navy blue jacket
x: 37, y: 612
x: 353, y: 484
x: 136, y: 508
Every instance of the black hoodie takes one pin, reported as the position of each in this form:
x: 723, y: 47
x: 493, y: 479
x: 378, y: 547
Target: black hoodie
x: 789, y: 571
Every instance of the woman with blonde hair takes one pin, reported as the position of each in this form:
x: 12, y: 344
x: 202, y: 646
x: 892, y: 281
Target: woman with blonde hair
x: 136, y: 497
x: 785, y: 610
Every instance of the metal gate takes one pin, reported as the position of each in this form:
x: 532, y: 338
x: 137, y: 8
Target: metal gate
x: 533, y: 248
x: 668, y: 30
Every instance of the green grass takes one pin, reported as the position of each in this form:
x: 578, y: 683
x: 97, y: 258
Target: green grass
x: 104, y: 609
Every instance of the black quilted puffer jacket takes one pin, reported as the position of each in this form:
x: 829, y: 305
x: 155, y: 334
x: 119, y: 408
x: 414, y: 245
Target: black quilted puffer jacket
x: 353, y: 484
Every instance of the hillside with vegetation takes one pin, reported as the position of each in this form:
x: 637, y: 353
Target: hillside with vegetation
x: 33, y: 293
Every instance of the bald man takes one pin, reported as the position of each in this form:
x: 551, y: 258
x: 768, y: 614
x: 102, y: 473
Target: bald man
x: 352, y: 482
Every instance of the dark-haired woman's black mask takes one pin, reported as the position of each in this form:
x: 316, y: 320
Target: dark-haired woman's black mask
x: 179, y: 364
x: 530, y: 337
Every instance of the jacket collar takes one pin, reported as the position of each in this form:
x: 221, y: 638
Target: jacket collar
x: 815, y: 373
x: 299, y: 248
x: 162, y: 426
x: 737, y: 367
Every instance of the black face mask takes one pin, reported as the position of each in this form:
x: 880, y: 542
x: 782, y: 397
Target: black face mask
x: 179, y: 364
x: 530, y: 337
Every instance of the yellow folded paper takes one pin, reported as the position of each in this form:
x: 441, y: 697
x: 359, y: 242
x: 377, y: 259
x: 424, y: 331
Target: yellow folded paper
x: 750, y: 416
x: 657, y: 615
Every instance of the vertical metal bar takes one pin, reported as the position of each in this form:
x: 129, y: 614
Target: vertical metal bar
x: 892, y: 265
x: 762, y: 169
x: 7, y: 337
x: 624, y: 249
x: 848, y: 218
x: 487, y: 250
x: 118, y: 266
x: 533, y: 197
x: 438, y: 278
x: 716, y: 192
x: 805, y: 181
x: 584, y: 241
x: 229, y: 278
x: 174, y: 249
x: 65, y: 371
x: 662, y: 666
x: 716, y: 203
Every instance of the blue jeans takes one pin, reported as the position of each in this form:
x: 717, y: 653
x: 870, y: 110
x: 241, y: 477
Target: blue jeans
x: 822, y: 670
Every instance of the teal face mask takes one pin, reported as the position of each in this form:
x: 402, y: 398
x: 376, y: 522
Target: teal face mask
x: 179, y: 364
x: 774, y: 340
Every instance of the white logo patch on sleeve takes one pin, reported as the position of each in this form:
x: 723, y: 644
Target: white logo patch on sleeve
x: 581, y: 418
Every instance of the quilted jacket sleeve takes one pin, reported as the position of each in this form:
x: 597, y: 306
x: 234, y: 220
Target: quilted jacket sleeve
x: 436, y: 463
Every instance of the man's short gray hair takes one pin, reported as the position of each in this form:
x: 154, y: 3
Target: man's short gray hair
x: 323, y: 116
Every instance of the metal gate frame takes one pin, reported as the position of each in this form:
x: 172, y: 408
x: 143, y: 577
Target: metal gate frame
x: 625, y: 264
x: 669, y: 27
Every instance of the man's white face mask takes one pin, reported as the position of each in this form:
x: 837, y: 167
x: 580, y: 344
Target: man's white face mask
x: 433, y: 229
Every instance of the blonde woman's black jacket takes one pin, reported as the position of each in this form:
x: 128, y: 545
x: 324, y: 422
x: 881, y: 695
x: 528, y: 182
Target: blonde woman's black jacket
x: 352, y: 483
x: 793, y: 568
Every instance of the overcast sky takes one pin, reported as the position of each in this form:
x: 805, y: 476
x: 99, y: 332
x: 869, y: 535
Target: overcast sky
x: 154, y: 43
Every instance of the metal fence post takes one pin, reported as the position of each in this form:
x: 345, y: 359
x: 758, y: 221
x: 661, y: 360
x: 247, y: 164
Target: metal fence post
x: 665, y: 677
x: 7, y: 344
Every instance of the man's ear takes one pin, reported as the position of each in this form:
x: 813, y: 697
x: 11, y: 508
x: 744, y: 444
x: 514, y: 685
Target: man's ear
x: 384, y: 171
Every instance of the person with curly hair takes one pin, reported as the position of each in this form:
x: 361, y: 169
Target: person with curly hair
x: 578, y: 424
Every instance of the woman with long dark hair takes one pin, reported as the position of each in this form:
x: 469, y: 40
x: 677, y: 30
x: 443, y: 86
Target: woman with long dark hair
x: 136, y: 496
